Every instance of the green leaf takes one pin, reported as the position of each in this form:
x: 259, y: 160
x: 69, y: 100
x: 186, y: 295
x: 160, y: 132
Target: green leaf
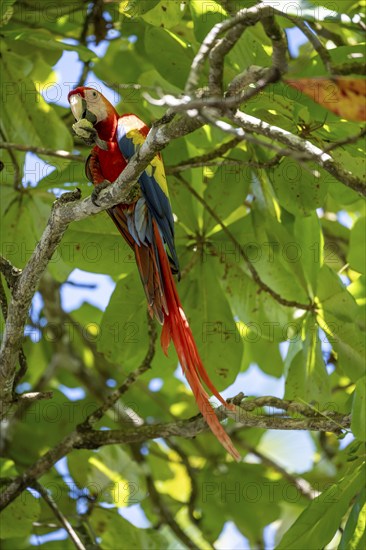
x: 354, y: 534
x: 7, y: 468
x: 212, y: 324
x: 308, y: 235
x: 263, y: 318
x: 299, y: 189
x: 124, y: 324
x: 356, y: 254
x: 109, y: 525
x: 175, y: 55
x: 165, y: 14
x: 244, y: 486
x: 317, y: 525
x: 17, y: 231
x: 109, y: 474
x: 338, y: 316
x: 205, y: 15
x: 307, y: 377
x: 17, y: 518
x: 226, y: 189
x: 95, y: 245
x: 358, y: 422
x: 277, y: 258
x: 257, y: 351
x: 27, y: 118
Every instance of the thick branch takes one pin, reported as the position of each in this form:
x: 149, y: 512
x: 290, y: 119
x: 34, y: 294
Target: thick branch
x: 305, y: 150
x: 196, y: 425
x: 244, y: 18
x: 307, y: 418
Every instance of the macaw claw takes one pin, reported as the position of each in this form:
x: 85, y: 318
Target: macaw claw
x: 97, y: 190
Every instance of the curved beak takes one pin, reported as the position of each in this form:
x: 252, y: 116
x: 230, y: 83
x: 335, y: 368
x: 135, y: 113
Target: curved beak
x: 78, y: 106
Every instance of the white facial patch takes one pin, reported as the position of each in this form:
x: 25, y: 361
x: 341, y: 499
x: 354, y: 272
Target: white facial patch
x: 95, y: 104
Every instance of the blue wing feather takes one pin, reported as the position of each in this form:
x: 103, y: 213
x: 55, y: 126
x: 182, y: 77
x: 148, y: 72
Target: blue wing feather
x: 156, y: 200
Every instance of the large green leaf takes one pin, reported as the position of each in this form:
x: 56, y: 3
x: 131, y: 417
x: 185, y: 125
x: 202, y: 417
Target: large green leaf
x: 109, y: 474
x: 18, y: 238
x: 17, y: 519
x: 246, y: 487
x: 213, y: 325
x: 109, y: 525
x: 95, y: 245
x: 358, y: 423
x: 27, y: 118
x: 175, y: 56
x: 205, y: 15
x: 278, y: 258
x: 226, y: 189
x: 124, y: 324
x: 308, y: 235
x: 322, y: 518
x: 356, y: 254
x: 354, y: 534
x: 264, y: 319
x: 300, y: 189
x: 262, y: 352
x: 338, y: 316
x: 307, y: 377
x: 165, y: 14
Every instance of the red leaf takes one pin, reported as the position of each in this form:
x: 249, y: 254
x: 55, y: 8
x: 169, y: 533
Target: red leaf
x: 343, y: 96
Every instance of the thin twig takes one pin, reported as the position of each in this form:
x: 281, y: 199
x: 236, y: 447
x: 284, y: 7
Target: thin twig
x: 346, y: 141
x: 314, y: 40
x: 29, y: 397
x: 162, y: 510
x: 10, y: 272
x: 301, y: 484
x: 59, y: 515
x: 192, y: 476
x: 41, y: 151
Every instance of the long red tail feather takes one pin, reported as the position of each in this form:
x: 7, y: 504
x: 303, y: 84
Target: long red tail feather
x: 176, y: 328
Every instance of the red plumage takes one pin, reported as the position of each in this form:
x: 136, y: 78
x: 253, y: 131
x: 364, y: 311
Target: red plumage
x: 147, y: 226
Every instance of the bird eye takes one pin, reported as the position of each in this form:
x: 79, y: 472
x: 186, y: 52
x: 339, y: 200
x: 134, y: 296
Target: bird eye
x: 95, y: 94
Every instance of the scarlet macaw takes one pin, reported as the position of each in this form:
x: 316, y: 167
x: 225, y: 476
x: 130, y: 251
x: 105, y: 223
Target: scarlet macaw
x: 148, y: 227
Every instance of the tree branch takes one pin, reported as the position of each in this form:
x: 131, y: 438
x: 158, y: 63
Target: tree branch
x: 244, y: 18
x: 301, y: 484
x: 10, y: 272
x: 197, y: 425
x: 314, y: 40
x: 162, y: 510
x: 245, y: 416
x: 41, y: 151
x: 59, y: 515
x: 306, y: 149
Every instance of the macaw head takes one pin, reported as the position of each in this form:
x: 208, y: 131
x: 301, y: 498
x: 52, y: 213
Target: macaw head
x: 87, y: 103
